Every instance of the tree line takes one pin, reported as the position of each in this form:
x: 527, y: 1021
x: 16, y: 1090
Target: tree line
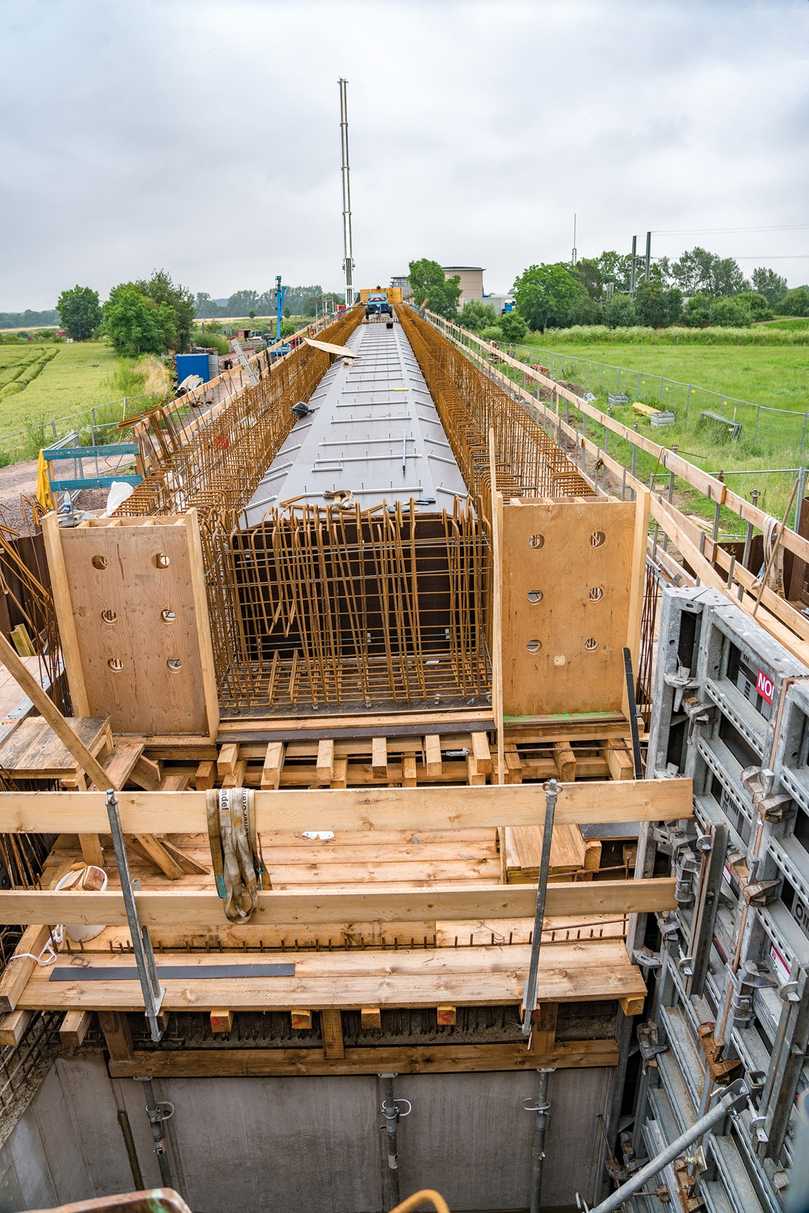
x: 153, y: 315
x: 28, y: 319
x: 298, y: 301
x: 699, y: 288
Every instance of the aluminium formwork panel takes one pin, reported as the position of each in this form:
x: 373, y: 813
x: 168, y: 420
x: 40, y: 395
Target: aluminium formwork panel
x: 744, y: 673
x: 791, y: 763
x: 732, y: 982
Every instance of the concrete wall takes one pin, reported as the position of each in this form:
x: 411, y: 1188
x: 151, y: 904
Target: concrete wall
x: 313, y: 1144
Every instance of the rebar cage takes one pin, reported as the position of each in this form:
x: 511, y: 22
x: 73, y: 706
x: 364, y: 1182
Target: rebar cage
x: 360, y: 607
x: 318, y: 607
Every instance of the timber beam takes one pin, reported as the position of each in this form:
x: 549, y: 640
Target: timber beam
x: 422, y: 808
x: 402, y: 1059
x: 197, y: 910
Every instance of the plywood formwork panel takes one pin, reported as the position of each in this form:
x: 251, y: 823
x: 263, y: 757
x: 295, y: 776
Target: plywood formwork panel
x: 136, y: 595
x: 568, y: 581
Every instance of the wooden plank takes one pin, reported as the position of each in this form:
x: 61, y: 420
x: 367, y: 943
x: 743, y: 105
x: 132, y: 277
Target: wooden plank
x: 206, y: 776
x: 227, y: 760
x: 362, y: 978
x: 124, y: 756
x: 331, y: 1029
x: 474, y: 777
x: 371, y: 1019
x: 221, y: 1021
x: 325, y: 760
x: 399, y: 1059
x: 409, y: 772
x: 273, y: 763
x: 74, y: 1028
x: 543, y: 1029
x: 175, y: 781
x: 14, y: 1026
x: 633, y: 1004
x: 236, y: 777
x: 619, y: 762
x: 566, y: 605
x: 15, y: 976
x: 134, y: 593
x: 637, y: 580
x: 423, y: 808
x: 565, y: 760
x: 481, y: 753
x: 117, y: 1034
x: 203, y: 623
x: 352, y: 727
x: 146, y: 774
x: 496, y: 511
x: 340, y: 773
x: 379, y: 757
x: 432, y: 754
x: 301, y: 1019
x: 68, y: 634
x: 197, y: 908
x: 91, y: 844
x: 679, y: 529
x: 153, y: 847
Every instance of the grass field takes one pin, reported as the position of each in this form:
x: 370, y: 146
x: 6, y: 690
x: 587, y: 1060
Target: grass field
x: 40, y: 382
x: 774, y: 376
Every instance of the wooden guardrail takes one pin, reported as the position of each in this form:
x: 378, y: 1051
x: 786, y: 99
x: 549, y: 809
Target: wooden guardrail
x: 709, y: 486
x: 699, y: 550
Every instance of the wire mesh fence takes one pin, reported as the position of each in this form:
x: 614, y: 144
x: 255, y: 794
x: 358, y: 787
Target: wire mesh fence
x: 761, y: 426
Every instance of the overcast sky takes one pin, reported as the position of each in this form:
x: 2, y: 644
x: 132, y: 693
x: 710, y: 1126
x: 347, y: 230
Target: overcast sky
x: 202, y: 135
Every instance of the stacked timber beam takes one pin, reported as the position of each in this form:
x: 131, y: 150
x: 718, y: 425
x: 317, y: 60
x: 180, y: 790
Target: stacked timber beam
x: 436, y: 976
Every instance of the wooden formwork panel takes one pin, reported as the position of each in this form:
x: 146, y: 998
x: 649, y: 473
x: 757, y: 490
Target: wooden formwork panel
x: 571, y: 593
x: 134, y: 623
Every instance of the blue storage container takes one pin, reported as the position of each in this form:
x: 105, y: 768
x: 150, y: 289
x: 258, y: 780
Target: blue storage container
x: 193, y: 364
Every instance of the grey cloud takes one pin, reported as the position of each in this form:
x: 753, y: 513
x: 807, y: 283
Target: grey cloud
x: 203, y: 136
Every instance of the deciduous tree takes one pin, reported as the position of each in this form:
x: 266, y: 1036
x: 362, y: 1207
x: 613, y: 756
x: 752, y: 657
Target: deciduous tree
x: 547, y: 295
x: 80, y: 312
x: 431, y: 287
x: 769, y: 284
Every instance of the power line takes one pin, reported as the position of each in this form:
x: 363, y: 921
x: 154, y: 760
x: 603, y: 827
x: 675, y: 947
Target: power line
x: 696, y: 231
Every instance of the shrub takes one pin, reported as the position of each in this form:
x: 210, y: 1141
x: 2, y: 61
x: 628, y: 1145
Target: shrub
x: 731, y: 312
x: 796, y: 302
x: 619, y: 312
x: 213, y: 339
x: 492, y: 332
x: 513, y: 327
x: 476, y: 315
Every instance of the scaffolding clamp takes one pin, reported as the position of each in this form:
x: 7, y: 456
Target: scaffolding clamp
x: 681, y: 680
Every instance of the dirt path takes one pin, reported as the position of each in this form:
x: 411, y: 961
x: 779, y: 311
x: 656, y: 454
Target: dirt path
x: 15, y: 479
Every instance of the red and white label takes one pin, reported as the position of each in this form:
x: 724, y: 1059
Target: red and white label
x: 779, y: 963
x: 765, y: 686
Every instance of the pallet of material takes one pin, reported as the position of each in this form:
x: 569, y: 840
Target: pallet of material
x: 657, y: 417
x: 571, y: 855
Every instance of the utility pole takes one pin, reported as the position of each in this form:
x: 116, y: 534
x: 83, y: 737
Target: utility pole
x: 574, y: 254
x: 348, y: 257
x: 648, y: 255
x: 633, y: 272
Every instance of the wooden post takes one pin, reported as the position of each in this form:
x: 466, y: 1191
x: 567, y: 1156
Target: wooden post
x: 71, y: 653
x: 90, y: 843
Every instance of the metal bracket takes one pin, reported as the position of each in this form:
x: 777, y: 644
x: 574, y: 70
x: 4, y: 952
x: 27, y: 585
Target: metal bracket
x: 770, y: 805
x: 762, y: 892
x: 646, y: 958
x: 681, y: 681
x: 160, y: 1112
